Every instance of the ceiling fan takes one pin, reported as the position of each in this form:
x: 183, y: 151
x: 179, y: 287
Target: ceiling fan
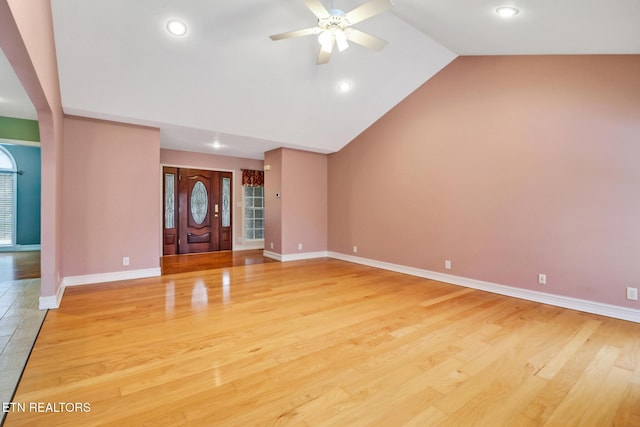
x: 334, y: 27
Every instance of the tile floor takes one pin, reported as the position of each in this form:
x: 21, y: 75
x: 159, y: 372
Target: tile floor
x: 20, y: 321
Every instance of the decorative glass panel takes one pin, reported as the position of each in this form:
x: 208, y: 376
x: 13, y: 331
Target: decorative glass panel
x: 253, y: 213
x: 6, y: 162
x: 199, y: 202
x: 226, y: 202
x: 169, y: 197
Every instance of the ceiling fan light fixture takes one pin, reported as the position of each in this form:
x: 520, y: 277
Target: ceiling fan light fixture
x: 325, y: 39
x: 341, y: 40
x: 334, y: 27
x: 507, y: 11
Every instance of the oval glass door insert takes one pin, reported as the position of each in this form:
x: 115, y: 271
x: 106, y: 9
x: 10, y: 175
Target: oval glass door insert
x: 199, y: 202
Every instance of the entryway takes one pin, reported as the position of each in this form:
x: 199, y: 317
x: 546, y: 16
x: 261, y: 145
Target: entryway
x: 212, y: 260
x: 197, y: 211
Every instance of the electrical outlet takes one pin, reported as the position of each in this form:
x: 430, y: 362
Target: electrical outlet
x: 542, y: 279
x: 632, y: 294
x: 271, y: 245
x: 447, y: 264
x: 355, y: 249
x: 299, y: 246
x: 125, y: 260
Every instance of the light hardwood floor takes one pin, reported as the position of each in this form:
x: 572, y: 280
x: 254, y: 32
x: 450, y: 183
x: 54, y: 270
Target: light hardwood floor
x: 325, y: 342
x: 171, y: 264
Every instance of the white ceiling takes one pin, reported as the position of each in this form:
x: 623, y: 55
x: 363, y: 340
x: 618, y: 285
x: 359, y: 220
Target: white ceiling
x: 226, y: 81
x: 14, y: 101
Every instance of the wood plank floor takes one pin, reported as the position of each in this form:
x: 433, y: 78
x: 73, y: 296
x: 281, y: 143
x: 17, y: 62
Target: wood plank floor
x: 171, y: 264
x: 325, y: 343
x: 19, y: 265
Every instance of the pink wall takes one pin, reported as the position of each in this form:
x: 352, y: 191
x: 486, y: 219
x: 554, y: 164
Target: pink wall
x: 304, y: 201
x: 111, y: 194
x: 273, y: 205
x: 222, y: 163
x: 300, y: 214
x: 26, y: 37
x: 508, y: 167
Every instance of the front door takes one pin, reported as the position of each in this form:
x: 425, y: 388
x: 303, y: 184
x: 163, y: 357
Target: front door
x: 196, y: 223
x: 203, y: 211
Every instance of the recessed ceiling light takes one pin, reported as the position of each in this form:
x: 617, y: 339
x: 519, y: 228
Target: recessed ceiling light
x: 177, y: 28
x: 344, y: 87
x: 507, y: 11
x: 216, y: 145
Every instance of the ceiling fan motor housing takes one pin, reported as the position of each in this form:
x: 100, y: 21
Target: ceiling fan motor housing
x: 337, y: 21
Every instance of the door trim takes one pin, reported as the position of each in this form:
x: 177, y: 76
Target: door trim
x: 204, y: 168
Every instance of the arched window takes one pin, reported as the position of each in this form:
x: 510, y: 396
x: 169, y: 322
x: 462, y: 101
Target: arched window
x: 8, y: 172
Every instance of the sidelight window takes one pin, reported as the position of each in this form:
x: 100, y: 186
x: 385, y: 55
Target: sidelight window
x: 253, y: 213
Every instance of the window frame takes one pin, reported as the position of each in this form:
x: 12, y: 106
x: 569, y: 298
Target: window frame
x: 12, y: 172
x: 244, y: 214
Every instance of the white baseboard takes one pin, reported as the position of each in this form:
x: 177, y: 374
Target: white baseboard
x: 110, y: 277
x: 614, y: 311
x: 51, y: 302
x: 249, y: 246
x: 29, y: 247
x: 304, y: 255
x: 272, y: 255
x: 295, y: 257
x: 20, y: 248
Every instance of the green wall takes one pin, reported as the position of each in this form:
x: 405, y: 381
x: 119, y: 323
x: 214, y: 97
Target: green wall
x: 20, y: 129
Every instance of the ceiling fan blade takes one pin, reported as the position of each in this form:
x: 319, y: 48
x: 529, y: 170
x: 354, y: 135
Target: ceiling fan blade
x: 297, y: 33
x: 325, y: 55
x: 317, y: 8
x: 366, y: 40
x: 368, y: 10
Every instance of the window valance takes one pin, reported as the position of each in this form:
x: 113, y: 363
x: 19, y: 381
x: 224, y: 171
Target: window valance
x: 252, y: 178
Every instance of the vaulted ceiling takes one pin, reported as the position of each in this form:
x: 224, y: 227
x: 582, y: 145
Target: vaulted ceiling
x: 225, y: 81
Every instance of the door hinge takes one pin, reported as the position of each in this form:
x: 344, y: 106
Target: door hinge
x: 178, y: 241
